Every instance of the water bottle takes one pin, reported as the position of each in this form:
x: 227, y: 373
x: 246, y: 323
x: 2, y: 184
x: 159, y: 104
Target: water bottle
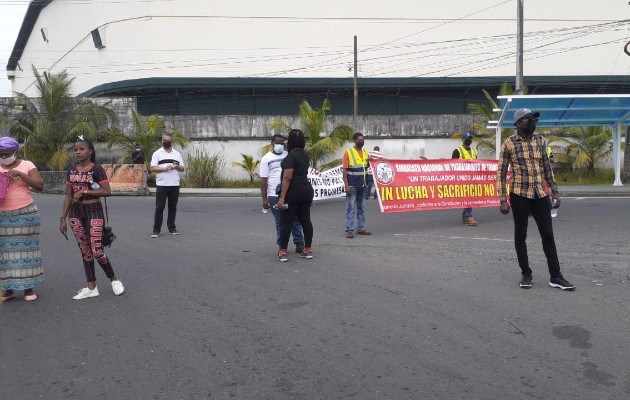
x: 95, y: 186
x: 284, y: 206
x: 554, y: 210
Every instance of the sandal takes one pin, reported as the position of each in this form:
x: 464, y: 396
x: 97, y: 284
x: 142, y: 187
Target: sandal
x: 30, y: 297
x: 5, y: 298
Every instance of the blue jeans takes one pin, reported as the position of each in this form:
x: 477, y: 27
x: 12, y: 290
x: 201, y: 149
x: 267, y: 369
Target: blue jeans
x: 354, y: 199
x: 296, y: 229
x: 467, y: 213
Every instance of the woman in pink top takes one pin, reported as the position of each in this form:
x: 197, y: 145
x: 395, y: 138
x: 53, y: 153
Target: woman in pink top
x: 20, y: 257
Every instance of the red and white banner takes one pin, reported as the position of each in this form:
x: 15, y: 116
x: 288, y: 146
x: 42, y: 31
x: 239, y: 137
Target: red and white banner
x: 417, y: 185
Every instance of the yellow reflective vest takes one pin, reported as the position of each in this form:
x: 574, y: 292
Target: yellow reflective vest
x: 463, y: 153
x: 358, y: 165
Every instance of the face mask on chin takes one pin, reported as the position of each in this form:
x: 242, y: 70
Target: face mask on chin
x: 8, y: 160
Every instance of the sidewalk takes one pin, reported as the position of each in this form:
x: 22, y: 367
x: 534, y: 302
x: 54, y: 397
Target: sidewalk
x: 565, y: 191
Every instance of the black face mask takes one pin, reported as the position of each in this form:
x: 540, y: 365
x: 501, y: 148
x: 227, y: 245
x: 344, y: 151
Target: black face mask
x: 359, y: 145
x: 167, y: 145
x: 530, y: 127
x: 467, y: 142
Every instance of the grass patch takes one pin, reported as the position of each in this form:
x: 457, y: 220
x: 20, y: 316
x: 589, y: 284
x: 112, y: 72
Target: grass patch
x: 583, y: 177
x: 242, y: 184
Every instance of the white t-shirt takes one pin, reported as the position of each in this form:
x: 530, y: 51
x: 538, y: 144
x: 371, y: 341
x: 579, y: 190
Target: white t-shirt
x: 161, y: 157
x: 270, y: 168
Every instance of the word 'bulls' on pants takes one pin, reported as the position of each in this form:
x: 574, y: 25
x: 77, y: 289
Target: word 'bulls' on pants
x: 86, y: 222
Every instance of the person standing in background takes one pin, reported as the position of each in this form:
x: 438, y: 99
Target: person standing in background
x: 20, y: 255
x: 297, y: 193
x: 373, y: 156
x: 355, y: 179
x: 270, y: 172
x: 465, y: 152
x: 166, y: 162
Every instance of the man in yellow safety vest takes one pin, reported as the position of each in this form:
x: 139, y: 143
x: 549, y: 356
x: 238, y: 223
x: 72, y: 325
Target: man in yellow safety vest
x: 356, y: 181
x: 465, y: 152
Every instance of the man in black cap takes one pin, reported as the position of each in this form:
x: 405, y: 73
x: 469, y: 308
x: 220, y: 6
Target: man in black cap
x: 526, y: 153
x: 465, y: 152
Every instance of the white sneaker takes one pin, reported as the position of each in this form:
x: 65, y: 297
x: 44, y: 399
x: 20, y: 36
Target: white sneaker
x: 118, y: 288
x: 85, y: 293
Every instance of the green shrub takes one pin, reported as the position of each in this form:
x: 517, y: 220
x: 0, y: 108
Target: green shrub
x: 202, y: 169
x: 583, y: 176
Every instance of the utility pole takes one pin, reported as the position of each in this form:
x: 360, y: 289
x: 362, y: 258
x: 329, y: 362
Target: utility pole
x: 518, y: 88
x: 355, y: 112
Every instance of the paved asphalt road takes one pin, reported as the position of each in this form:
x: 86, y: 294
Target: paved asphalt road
x: 423, y: 309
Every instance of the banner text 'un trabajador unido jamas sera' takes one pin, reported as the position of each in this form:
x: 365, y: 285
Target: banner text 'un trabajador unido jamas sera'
x: 417, y: 185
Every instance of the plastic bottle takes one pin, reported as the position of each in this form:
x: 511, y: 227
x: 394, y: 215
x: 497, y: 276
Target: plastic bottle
x: 95, y: 186
x: 284, y: 206
x: 554, y: 210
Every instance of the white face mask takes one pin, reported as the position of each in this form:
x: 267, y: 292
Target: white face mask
x: 8, y: 161
x: 278, y: 148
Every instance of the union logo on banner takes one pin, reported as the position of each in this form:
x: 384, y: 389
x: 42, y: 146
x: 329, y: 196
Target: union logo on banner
x: 384, y: 172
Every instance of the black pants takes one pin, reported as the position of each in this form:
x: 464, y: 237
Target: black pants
x: 299, y: 199
x: 521, y: 207
x: 163, y: 193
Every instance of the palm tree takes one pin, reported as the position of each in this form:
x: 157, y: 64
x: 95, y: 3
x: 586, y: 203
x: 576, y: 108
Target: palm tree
x: 320, y: 146
x: 591, y: 145
x: 248, y: 164
x: 483, y: 112
x: 147, y: 133
x: 47, y: 125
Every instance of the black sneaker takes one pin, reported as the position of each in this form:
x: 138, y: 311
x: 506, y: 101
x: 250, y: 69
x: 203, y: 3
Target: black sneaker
x: 526, y: 282
x: 561, y: 283
x: 173, y: 232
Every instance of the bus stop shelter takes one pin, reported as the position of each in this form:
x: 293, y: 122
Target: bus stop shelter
x: 558, y: 111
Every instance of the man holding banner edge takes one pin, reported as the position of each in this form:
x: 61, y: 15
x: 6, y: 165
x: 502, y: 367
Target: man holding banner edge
x: 355, y: 180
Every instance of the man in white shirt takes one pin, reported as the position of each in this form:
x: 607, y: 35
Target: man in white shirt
x: 167, y: 163
x: 270, y: 173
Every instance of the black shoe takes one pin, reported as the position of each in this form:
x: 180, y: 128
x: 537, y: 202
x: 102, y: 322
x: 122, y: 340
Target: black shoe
x: 173, y: 232
x: 526, y: 282
x: 561, y: 283
x: 299, y: 247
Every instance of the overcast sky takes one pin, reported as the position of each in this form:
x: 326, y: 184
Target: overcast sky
x: 11, y: 17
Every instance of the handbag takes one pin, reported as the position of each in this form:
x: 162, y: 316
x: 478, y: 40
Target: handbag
x: 108, y: 234
x: 5, y: 181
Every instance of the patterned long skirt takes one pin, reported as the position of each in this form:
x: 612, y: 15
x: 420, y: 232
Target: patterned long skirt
x: 20, y: 256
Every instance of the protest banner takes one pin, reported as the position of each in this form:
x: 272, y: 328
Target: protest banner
x: 327, y: 184
x: 417, y: 185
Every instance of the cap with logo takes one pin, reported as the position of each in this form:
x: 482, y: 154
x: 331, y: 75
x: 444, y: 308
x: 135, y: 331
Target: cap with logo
x: 467, y: 135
